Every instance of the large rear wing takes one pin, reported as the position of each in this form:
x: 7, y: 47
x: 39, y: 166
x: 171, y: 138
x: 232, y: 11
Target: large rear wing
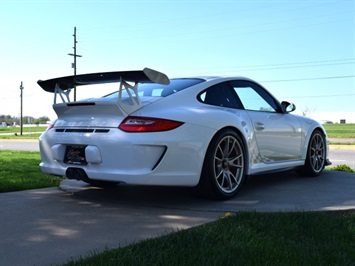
x: 62, y: 86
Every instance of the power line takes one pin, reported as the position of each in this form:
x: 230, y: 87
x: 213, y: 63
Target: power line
x: 325, y: 96
x: 245, y: 68
x: 302, y: 63
x: 304, y: 79
x: 289, y: 66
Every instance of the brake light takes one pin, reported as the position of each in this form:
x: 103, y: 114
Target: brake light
x: 147, y: 124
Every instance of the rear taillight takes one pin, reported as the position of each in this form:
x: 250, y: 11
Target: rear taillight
x: 147, y: 124
x: 51, y: 125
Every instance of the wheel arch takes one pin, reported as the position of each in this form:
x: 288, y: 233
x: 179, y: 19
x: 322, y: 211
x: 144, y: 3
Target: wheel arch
x: 322, y: 130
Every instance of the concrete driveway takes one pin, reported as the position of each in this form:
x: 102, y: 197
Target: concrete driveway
x: 50, y: 226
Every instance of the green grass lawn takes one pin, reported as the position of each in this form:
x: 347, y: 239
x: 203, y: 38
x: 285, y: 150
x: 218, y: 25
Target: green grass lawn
x: 26, y: 129
x: 340, y: 130
x: 32, y: 136
x: 28, y: 132
x: 248, y: 238
x: 19, y: 170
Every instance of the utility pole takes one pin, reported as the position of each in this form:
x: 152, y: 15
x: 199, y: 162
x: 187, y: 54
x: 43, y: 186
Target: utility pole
x: 21, y: 119
x: 75, y: 56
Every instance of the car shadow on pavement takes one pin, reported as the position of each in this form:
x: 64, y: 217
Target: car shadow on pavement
x: 284, y: 191
x: 147, y: 194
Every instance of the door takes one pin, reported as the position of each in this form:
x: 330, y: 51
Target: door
x: 278, y: 134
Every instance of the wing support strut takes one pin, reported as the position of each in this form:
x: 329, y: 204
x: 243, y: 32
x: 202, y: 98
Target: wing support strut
x: 133, y: 103
x: 62, y: 93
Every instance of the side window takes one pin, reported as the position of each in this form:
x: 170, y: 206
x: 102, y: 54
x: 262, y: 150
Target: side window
x: 220, y: 95
x: 254, y: 97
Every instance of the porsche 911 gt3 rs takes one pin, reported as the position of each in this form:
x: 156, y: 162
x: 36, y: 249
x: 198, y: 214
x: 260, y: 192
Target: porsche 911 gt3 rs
x: 205, y: 132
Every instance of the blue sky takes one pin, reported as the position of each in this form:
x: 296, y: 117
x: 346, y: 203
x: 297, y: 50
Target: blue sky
x: 302, y: 51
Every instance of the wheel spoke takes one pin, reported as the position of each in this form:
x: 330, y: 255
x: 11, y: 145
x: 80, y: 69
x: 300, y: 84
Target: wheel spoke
x: 229, y: 164
x: 233, y: 178
x: 228, y: 180
x: 219, y: 173
x: 236, y: 162
x: 231, y: 147
x: 226, y: 147
x: 218, y: 160
x: 315, y: 162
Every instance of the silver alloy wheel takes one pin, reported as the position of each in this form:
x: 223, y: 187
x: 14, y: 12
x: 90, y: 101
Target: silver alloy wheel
x: 228, y: 164
x: 317, y: 152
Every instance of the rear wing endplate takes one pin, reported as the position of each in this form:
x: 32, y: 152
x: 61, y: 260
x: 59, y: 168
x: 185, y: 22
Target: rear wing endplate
x: 63, y: 86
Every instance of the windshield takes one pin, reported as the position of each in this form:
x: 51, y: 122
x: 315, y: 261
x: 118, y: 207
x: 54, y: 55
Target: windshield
x: 157, y: 90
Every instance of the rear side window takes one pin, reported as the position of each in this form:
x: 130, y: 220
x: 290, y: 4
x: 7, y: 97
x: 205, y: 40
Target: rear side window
x: 157, y: 90
x: 220, y: 95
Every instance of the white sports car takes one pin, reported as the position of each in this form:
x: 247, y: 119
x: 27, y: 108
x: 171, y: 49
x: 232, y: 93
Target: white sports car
x: 204, y: 132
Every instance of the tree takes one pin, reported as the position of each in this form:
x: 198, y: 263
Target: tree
x: 41, y: 120
x: 6, y: 119
x: 26, y: 120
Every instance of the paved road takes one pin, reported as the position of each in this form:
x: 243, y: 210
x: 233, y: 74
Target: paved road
x: 51, y: 226
x: 339, y: 156
x: 21, y: 145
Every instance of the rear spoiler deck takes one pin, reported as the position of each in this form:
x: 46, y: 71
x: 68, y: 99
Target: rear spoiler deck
x: 64, y: 85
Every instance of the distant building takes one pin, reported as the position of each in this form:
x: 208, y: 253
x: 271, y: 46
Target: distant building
x: 327, y: 122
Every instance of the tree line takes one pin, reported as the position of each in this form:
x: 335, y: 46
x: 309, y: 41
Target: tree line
x: 14, y: 120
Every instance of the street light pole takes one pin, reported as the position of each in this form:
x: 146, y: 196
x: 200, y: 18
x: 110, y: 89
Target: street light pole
x: 75, y: 56
x: 21, y: 119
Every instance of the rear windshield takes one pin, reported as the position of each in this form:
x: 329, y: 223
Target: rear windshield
x: 157, y: 90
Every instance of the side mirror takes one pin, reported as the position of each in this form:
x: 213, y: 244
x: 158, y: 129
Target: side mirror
x: 288, y: 107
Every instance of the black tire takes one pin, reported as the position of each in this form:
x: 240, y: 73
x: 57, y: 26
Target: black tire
x: 223, y: 171
x: 316, y: 155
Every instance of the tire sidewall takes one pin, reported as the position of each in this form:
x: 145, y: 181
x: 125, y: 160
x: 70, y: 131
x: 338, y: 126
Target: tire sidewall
x: 308, y: 168
x: 208, y: 166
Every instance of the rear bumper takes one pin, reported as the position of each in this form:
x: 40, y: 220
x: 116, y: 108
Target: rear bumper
x: 134, y: 158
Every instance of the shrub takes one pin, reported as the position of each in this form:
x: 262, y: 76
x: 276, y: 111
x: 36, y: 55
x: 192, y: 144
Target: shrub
x: 343, y: 168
